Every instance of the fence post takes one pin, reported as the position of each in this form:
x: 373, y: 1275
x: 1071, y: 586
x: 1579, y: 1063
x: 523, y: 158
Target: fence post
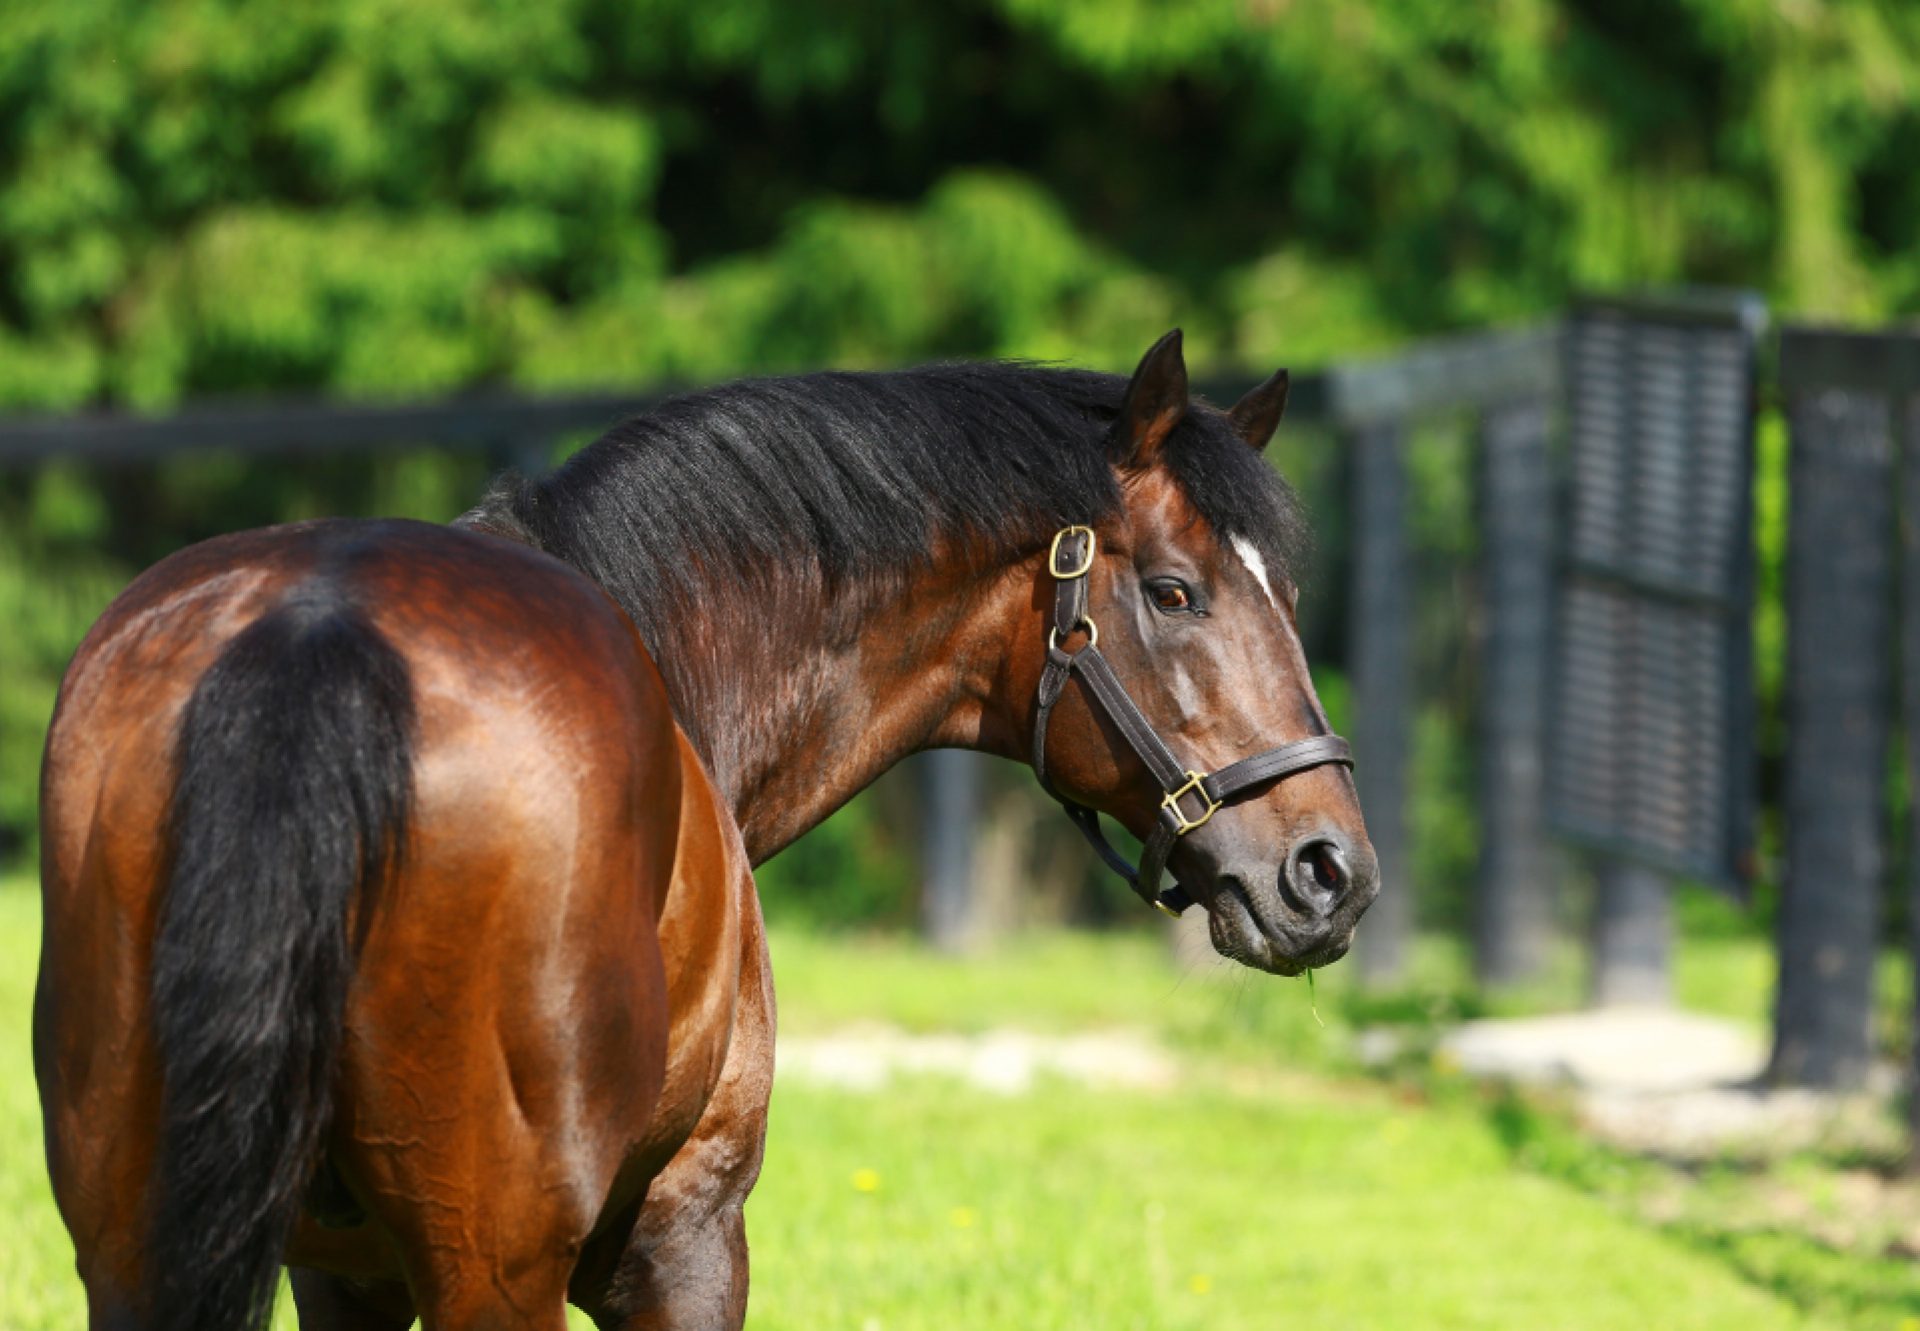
x: 1632, y: 934
x: 1910, y: 707
x: 1381, y: 678
x: 1513, y: 906
x: 950, y: 813
x: 1839, y: 690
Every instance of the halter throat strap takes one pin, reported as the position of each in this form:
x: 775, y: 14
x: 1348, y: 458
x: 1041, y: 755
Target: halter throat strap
x: 1189, y: 798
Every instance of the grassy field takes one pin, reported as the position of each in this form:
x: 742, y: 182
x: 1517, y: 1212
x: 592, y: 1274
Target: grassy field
x: 1275, y: 1187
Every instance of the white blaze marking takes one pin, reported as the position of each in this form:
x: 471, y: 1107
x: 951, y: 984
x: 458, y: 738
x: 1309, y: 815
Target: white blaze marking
x: 1255, y: 565
x: 1184, y: 691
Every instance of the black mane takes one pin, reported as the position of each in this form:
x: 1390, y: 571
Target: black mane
x: 839, y: 476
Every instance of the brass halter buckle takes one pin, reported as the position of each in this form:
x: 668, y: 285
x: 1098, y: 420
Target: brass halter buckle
x: 1053, y: 555
x: 1182, y: 823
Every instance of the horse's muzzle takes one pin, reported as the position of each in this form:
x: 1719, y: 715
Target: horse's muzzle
x: 1301, y: 917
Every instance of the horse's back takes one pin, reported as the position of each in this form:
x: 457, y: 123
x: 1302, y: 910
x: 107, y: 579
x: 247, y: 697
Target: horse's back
x: 542, y: 722
x: 506, y: 1025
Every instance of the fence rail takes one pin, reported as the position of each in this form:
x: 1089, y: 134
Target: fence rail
x: 486, y: 421
x: 481, y: 421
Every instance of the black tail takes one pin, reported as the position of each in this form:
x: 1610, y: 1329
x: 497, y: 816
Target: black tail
x: 293, y: 792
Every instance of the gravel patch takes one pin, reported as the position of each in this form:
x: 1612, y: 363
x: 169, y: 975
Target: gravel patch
x: 1674, y: 1084
x: 1621, y: 1050
x: 1007, y: 1062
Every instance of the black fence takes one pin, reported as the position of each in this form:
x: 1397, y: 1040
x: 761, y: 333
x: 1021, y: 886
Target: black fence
x: 1853, y: 406
x: 1612, y: 465
x: 506, y: 425
x: 1506, y: 382
x: 1652, y: 743
x: 1650, y: 756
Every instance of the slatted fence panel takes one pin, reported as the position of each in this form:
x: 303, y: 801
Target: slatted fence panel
x: 1651, y: 746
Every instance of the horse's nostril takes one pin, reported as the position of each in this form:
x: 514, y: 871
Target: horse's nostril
x: 1317, y: 875
x: 1329, y: 871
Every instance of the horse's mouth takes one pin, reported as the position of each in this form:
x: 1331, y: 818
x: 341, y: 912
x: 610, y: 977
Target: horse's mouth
x: 1268, y: 940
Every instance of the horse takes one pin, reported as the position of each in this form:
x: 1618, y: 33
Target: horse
x: 400, y: 925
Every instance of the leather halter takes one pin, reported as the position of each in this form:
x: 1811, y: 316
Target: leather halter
x: 1189, y: 798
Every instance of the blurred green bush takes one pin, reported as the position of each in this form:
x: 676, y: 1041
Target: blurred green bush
x: 402, y: 197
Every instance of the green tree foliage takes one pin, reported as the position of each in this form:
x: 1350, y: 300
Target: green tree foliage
x: 398, y: 197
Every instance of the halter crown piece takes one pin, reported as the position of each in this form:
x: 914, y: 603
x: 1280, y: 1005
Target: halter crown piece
x: 1189, y: 798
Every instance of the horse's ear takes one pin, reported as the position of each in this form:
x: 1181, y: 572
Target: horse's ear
x: 1257, y: 415
x: 1156, y: 400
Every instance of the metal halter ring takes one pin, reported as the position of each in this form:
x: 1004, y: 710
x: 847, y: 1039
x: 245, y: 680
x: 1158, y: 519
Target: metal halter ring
x: 1093, y: 640
x: 1053, y: 555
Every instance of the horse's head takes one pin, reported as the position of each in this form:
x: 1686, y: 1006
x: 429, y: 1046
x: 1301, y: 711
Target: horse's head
x: 1190, y: 588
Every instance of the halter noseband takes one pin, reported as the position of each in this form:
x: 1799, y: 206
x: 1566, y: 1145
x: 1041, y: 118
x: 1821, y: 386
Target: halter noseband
x: 1069, y: 561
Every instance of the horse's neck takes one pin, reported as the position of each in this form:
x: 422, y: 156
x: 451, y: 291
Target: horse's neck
x: 797, y: 707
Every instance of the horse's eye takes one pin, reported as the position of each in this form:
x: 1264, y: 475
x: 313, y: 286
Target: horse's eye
x: 1171, y: 597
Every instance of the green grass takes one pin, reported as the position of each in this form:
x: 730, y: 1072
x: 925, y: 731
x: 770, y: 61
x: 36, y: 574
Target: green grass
x: 37, y: 1287
x: 1317, y: 1207
x: 1274, y: 1188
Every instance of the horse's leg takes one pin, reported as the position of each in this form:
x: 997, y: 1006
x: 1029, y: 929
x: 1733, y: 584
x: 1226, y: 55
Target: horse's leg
x: 684, y: 1264
x: 694, y: 1276
x: 327, y: 1302
x: 507, y: 1032
x: 93, y: 1043
x: 482, y: 1132
x: 475, y: 1158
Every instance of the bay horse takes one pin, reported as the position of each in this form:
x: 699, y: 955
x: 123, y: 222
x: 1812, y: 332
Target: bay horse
x: 399, y: 917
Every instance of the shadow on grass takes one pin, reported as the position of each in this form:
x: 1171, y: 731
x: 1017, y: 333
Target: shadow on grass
x: 1856, y: 1288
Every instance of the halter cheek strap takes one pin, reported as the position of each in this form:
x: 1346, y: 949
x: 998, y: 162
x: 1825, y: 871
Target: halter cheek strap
x: 1188, y: 798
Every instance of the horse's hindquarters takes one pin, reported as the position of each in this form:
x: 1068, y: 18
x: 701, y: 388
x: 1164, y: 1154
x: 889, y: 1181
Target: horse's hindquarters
x: 505, y: 1036
x: 507, y: 1039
